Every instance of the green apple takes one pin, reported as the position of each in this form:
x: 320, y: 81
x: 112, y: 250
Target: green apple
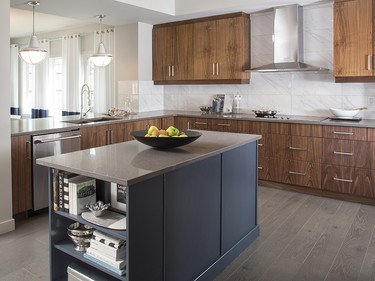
x: 151, y: 129
x: 172, y: 131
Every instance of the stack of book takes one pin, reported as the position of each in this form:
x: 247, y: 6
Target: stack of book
x: 107, y: 251
x: 74, y: 192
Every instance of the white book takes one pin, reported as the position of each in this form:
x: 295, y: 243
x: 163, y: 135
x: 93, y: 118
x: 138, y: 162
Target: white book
x: 82, y: 191
x: 108, y: 251
x: 120, y: 264
x: 108, y: 239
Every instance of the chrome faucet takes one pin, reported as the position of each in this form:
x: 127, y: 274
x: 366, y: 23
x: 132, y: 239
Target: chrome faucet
x: 85, y: 89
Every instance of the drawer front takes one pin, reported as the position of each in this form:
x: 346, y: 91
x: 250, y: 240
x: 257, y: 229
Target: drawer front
x: 253, y: 127
x: 349, y: 180
x: 279, y: 128
x: 223, y: 125
x: 198, y: 123
x: 296, y: 148
x: 263, y: 146
x: 295, y: 172
x: 371, y: 134
x: 345, y: 133
x: 347, y: 153
x: 306, y: 130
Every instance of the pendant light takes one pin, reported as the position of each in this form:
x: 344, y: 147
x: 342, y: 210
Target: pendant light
x: 101, y: 58
x: 33, y: 54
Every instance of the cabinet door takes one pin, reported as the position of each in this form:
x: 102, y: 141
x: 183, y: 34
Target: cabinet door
x: 182, y: 65
x: 232, y: 48
x: 223, y: 125
x: 103, y: 135
x: 353, y: 46
x: 183, y: 123
x: 21, y: 174
x: 116, y: 133
x: 162, y: 52
x: 88, y: 137
x: 205, y: 50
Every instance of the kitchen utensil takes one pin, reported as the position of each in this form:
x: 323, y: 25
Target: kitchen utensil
x: 344, y: 113
x: 265, y: 113
x: 205, y: 109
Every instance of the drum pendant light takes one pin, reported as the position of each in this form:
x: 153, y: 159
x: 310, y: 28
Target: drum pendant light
x: 101, y: 58
x: 33, y: 54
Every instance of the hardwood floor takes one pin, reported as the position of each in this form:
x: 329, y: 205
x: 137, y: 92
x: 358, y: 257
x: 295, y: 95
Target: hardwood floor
x: 302, y: 237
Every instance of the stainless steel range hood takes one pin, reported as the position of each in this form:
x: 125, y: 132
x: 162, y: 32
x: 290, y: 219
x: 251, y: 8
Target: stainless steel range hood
x: 288, y: 42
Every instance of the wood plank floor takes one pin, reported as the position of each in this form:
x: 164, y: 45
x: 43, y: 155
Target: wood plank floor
x: 302, y: 238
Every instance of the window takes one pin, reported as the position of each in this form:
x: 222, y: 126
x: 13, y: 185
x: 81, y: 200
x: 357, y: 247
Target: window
x: 56, y: 84
x: 28, y: 98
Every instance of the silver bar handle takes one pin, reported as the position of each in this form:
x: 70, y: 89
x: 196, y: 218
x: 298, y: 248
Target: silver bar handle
x: 260, y: 144
x: 200, y: 123
x: 169, y: 70
x: 173, y: 70
x: 343, y: 133
x: 343, y: 153
x: 188, y: 126
x: 297, y: 148
x: 369, y: 62
x: 213, y: 69
x: 297, y: 173
x: 222, y: 124
x: 260, y: 168
x: 28, y: 150
x: 57, y: 139
x: 343, y: 180
x: 107, y: 137
x: 111, y: 136
x: 217, y: 69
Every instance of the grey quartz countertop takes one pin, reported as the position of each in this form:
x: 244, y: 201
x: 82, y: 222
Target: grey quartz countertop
x: 131, y: 162
x: 48, y: 125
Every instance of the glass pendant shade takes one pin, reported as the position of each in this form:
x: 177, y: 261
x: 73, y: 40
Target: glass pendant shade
x: 101, y: 58
x: 33, y: 54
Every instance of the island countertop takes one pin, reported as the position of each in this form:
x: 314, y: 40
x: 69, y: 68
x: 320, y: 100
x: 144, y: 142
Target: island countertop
x: 131, y: 162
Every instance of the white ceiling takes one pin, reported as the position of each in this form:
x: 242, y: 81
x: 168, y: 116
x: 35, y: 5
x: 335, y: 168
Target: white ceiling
x: 54, y: 15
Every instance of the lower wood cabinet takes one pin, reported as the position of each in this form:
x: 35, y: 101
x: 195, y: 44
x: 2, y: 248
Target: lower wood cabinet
x: 21, y: 174
x: 96, y: 136
x: 355, y: 181
x: 223, y: 125
x: 184, y: 123
x: 141, y: 125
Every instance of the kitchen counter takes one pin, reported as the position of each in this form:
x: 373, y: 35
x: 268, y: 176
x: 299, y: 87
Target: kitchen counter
x: 50, y: 124
x: 138, y: 162
x: 197, y: 201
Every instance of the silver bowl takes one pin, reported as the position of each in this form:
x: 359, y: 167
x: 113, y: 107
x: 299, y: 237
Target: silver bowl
x: 81, y: 243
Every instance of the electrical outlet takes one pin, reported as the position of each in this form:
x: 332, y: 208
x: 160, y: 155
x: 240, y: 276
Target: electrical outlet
x: 370, y: 100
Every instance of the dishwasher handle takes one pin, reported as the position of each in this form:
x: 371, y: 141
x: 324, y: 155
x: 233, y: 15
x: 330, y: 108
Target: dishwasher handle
x: 56, y: 139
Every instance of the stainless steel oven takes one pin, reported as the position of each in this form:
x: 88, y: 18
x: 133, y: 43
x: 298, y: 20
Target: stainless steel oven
x: 49, y: 145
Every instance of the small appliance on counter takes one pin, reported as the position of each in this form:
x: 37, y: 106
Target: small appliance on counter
x: 236, y: 107
x: 218, y: 104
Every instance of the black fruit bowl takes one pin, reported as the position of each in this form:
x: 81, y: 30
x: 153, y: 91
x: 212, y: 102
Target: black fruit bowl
x: 166, y: 142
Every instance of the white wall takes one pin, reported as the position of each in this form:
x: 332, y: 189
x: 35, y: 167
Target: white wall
x: 6, y: 220
x: 290, y: 93
x: 163, y: 6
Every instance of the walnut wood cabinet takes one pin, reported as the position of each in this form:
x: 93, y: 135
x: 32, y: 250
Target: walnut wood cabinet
x: 21, y: 174
x: 140, y: 125
x: 197, y: 123
x: 202, y: 51
x: 172, y: 53
x: 348, y: 161
x: 354, y: 41
x: 96, y: 136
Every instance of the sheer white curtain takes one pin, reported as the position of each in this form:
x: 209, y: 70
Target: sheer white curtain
x: 14, y: 79
x: 71, y: 68
x: 42, y: 98
x: 104, y: 97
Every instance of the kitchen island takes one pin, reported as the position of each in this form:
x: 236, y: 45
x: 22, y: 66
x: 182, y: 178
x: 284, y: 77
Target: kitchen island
x: 190, y: 210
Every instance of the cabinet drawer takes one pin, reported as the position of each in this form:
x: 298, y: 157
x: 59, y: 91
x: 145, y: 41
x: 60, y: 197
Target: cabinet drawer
x: 348, y: 180
x: 371, y: 134
x: 306, y: 130
x: 295, y: 172
x: 345, y: 133
x: 263, y: 168
x: 223, y: 125
x: 253, y: 127
x: 347, y: 153
x: 279, y: 128
x: 295, y: 148
x: 263, y: 146
x: 198, y: 123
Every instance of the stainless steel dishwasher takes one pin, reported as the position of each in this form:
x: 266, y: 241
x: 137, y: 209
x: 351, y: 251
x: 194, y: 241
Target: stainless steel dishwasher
x: 49, y: 145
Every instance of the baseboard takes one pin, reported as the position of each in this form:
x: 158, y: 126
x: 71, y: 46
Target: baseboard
x: 7, y: 226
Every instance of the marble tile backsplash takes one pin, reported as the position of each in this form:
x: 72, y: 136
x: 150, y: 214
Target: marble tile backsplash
x: 300, y: 93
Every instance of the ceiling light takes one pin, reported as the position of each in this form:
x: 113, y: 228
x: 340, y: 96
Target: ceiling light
x: 33, y: 54
x: 101, y: 58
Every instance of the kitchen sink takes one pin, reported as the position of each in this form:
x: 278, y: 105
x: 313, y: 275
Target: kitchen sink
x: 90, y: 120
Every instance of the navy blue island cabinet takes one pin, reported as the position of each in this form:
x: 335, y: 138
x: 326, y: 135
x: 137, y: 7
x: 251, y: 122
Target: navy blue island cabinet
x: 190, y: 211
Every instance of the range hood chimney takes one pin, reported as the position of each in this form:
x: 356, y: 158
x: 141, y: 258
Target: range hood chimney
x: 288, y: 42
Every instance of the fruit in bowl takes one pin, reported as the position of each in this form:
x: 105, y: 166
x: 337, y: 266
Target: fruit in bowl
x: 172, y: 131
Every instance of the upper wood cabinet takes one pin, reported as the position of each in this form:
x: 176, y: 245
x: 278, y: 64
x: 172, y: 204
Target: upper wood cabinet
x: 172, y: 53
x: 353, y: 41
x: 209, y: 50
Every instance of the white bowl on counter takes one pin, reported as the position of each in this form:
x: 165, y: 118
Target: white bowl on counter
x: 344, y: 113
